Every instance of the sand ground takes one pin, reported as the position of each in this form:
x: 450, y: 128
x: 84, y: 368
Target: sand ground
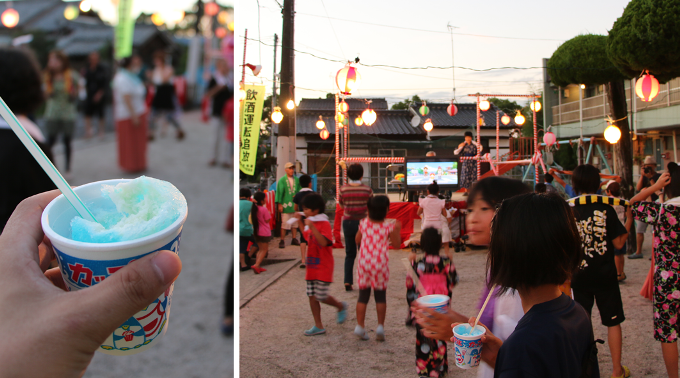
x: 272, y: 343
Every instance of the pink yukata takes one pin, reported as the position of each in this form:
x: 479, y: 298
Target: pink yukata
x: 373, y: 270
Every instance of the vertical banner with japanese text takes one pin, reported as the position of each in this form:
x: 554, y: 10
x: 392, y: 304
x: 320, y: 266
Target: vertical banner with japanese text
x: 124, y: 30
x: 251, y: 115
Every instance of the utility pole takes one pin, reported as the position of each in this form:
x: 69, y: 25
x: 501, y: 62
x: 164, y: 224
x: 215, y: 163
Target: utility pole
x: 272, y: 137
x: 286, y: 139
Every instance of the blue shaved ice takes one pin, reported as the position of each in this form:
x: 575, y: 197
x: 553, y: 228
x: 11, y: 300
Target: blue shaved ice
x: 129, y: 211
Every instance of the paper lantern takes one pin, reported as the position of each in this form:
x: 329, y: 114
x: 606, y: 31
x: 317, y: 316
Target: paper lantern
x: 290, y: 105
x: 340, y: 117
x: 343, y: 107
x: 647, y: 87
x: 358, y: 121
x: 484, y: 105
x: 10, y: 18
x: 277, y: 116
x: 85, y: 6
x: 428, y: 126
x: 505, y: 119
x: 345, y: 122
x: 549, y: 138
x: 223, y: 17
x: 221, y: 33
x: 519, y: 119
x: 324, y: 134
x: 320, y: 124
x: 612, y: 134
x: 369, y: 116
x: 157, y: 19
x: 452, y: 109
x: 211, y: 9
x: 535, y: 106
x: 424, y: 110
x: 347, y: 79
x: 71, y: 12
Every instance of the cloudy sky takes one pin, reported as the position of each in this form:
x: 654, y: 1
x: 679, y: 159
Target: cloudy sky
x: 407, y: 34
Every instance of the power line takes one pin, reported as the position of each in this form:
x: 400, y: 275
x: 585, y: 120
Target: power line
x: 403, y: 68
x: 332, y: 28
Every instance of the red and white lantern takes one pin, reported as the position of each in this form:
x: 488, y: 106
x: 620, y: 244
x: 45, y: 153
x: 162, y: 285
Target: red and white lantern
x: 647, y: 87
x: 347, y: 79
x: 324, y: 134
x: 452, y: 109
x: 549, y: 138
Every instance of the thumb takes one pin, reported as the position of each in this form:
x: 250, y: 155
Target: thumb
x: 126, y: 292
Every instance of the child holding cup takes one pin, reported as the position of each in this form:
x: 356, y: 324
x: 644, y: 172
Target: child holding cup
x: 554, y: 337
x: 438, y: 275
x: 374, y: 237
x: 503, y: 311
x: 666, y: 299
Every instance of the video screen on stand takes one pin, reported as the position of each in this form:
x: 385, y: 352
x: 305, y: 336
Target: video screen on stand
x: 421, y: 172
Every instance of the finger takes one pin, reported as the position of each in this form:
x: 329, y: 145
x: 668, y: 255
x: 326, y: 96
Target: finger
x: 23, y: 230
x: 54, y: 275
x: 46, y: 254
x: 126, y: 292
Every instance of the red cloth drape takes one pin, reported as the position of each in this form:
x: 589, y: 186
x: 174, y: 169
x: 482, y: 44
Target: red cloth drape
x: 337, y: 227
x: 405, y: 212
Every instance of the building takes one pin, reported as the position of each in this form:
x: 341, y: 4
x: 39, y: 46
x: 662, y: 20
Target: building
x: 654, y: 125
x: 396, y: 133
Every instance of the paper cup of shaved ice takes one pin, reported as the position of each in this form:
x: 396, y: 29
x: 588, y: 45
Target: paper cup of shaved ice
x: 467, y: 344
x: 136, y: 218
x: 436, y: 302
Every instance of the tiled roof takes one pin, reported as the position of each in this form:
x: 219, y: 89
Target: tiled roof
x: 353, y: 103
x: 86, y: 39
x: 388, y: 122
x: 465, y: 116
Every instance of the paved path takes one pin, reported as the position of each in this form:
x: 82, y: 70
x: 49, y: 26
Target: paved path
x: 193, y: 345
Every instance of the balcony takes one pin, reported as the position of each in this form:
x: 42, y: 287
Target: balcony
x: 597, y: 107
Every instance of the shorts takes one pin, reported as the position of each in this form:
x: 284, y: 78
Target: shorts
x: 622, y: 251
x: 94, y: 108
x: 57, y: 126
x: 608, y: 299
x: 318, y: 289
x: 284, y: 221
x: 640, y: 227
x: 302, y: 239
x: 243, y: 243
x: 263, y: 239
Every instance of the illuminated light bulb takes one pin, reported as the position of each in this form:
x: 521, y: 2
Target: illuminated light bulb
x: 369, y: 117
x: 535, y: 106
x: 71, y: 12
x: 583, y: 86
x: 428, y: 126
x: 358, y: 121
x: 484, y: 105
x: 220, y: 32
x: 157, y: 19
x: 223, y: 17
x: 277, y: 116
x: 290, y: 105
x: 612, y: 134
x: 505, y: 119
x: 211, y: 9
x: 320, y: 124
x: 85, y: 6
x: 10, y: 18
x: 519, y: 119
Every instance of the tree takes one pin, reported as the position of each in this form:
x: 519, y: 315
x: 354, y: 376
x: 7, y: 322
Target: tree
x: 584, y: 60
x: 508, y: 107
x: 646, y: 37
x: 403, y: 105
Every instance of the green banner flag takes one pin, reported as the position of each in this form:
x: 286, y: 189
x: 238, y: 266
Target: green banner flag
x: 124, y: 30
x: 251, y: 115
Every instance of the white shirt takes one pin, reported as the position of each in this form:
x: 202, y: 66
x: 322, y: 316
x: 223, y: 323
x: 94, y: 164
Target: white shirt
x: 124, y: 83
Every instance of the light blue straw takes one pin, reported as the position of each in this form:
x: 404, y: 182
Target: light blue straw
x: 44, y: 162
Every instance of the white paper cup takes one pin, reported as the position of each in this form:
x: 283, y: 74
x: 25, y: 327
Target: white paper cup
x: 437, y: 302
x: 86, y: 264
x: 468, y: 348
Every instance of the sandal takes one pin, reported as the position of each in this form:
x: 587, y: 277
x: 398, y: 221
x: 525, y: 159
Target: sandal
x: 626, y: 372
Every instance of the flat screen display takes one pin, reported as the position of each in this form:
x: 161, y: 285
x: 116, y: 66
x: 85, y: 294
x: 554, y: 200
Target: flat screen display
x: 421, y: 172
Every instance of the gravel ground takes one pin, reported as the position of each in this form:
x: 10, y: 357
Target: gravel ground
x: 272, y: 324
x: 193, y: 345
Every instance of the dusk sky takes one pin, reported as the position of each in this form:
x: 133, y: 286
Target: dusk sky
x: 108, y: 11
x: 407, y: 34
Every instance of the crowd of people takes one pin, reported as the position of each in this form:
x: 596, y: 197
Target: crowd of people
x: 538, y: 322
